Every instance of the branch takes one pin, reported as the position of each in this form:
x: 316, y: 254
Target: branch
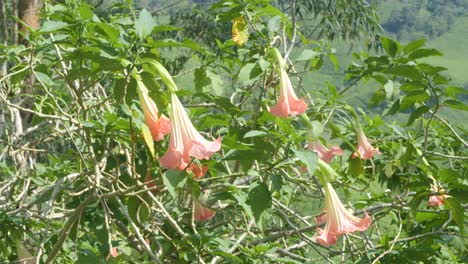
x: 66, y: 230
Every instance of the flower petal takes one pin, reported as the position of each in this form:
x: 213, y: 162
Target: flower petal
x: 202, y: 213
x: 325, y: 237
x: 203, y: 149
x: 198, y: 171
x: 174, y: 159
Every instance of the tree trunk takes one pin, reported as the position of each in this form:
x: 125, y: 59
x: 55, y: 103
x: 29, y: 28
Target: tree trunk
x: 3, y: 34
x: 28, y: 11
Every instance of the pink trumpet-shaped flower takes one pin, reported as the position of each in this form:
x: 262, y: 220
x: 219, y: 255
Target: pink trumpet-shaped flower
x: 159, y: 126
x: 365, y: 150
x: 288, y: 103
x: 201, y: 213
x: 198, y: 171
x: 324, y: 153
x: 437, y: 200
x: 338, y: 220
x: 112, y: 253
x: 185, y: 140
x: 321, y: 219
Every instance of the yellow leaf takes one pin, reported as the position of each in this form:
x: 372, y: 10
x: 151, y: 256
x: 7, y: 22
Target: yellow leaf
x: 148, y: 139
x: 240, y: 32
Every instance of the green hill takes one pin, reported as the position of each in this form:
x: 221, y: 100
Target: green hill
x: 454, y: 46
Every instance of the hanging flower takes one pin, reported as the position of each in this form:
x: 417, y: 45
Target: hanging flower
x: 159, y: 126
x: 338, y: 220
x: 437, y: 200
x: 112, y: 253
x: 324, y: 153
x: 198, y: 171
x: 321, y: 219
x: 288, y: 103
x: 365, y: 150
x: 201, y: 213
x: 185, y: 140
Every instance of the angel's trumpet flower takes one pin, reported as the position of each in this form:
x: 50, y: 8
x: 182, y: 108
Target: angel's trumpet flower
x: 338, y: 220
x: 185, y: 140
x: 365, y: 150
x: 158, y: 126
x: 201, y: 213
x: 288, y: 102
x: 324, y: 153
x: 437, y: 200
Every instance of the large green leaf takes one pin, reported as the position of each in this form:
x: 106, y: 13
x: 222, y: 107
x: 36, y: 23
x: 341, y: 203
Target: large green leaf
x: 390, y: 46
x: 423, y: 53
x: 259, y: 199
x: 144, y: 24
x: 458, y: 212
x: 309, y: 158
x: 174, y: 179
x: 417, y: 113
x: 53, y: 26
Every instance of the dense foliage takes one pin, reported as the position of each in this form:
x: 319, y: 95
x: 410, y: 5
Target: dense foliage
x: 124, y: 140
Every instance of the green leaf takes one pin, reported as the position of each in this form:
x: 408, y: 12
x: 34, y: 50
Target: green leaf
x: 228, y: 257
x: 109, y: 31
x: 307, y: 54
x: 52, y: 26
x: 259, y: 199
x: 133, y: 203
x: 274, y: 24
x: 207, y: 81
x: 452, y: 91
x: 90, y: 258
x: 455, y: 104
x: 148, y: 139
x: 356, y: 167
x: 390, y: 46
x: 327, y: 173
x: 395, y: 107
x: 85, y: 11
x: 414, y: 45
x: 144, y: 24
x: 241, y: 198
x: 457, y: 211
x: 276, y: 182
x: 377, y: 97
x: 412, y: 86
x: 309, y: 158
x: 423, y: 53
x: 334, y: 61
x: 174, y: 179
x: 163, y: 28
x: 408, y: 71
x: 416, y: 114
x: 316, y: 129
x: 332, y: 89
x: 255, y: 133
x: 412, y: 98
